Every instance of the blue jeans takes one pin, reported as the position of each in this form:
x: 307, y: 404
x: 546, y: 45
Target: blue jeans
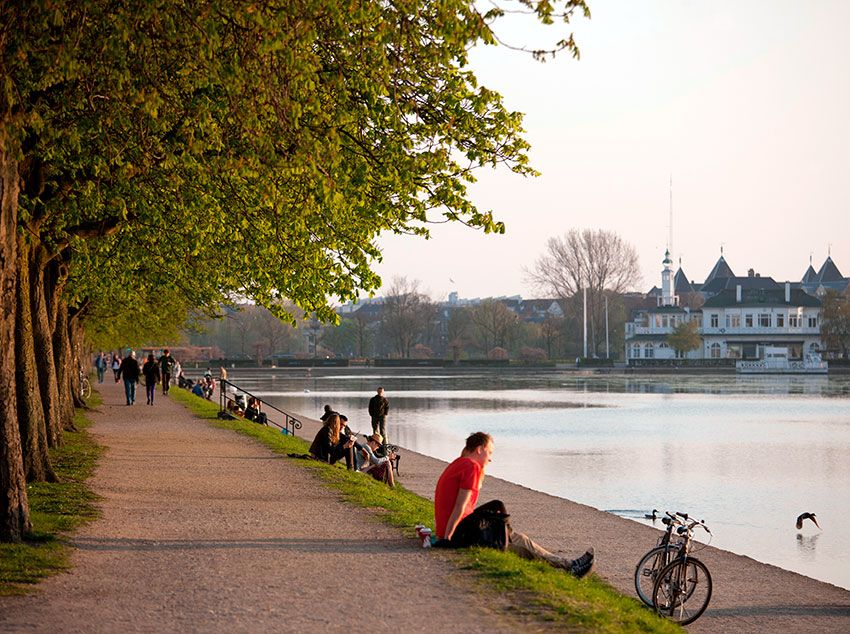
x: 130, y: 391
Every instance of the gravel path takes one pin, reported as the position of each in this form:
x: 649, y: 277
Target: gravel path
x: 205, y: 531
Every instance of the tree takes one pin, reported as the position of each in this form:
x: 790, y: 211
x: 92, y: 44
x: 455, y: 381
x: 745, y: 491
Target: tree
x: 231, y: 148
x: 835, y: 322
x: 457, y: 331
x: 594, y: 259
x: 405, y: 315
x: 14, y: 507
x: 494, y: 324
x: 685, y: 337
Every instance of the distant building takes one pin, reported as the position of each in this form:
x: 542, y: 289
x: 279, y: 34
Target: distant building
x: 738, y: 317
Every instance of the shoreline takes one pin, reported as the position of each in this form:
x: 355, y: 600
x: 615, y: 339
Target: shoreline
x: 748, y: 595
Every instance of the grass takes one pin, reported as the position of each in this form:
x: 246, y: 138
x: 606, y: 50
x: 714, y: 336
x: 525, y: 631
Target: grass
x: 56, y: 509
x: 547, y: 594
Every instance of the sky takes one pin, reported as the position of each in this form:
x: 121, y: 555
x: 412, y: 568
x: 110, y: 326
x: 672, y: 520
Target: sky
x: 744, y: 104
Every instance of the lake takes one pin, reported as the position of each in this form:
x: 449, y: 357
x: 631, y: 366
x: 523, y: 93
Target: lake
x: 747, y: 454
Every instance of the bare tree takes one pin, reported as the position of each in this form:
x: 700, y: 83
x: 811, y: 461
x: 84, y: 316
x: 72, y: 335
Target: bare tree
x: 595, y: 259
x: 495, y: 325
x: 405, y: 315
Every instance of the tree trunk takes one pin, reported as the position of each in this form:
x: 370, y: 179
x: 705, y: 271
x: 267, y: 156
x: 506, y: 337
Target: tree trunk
x: 14, y: 506
x: 76, y: 339
x: 33, y: 428
x: 43, y: 338
x: 66, y: 379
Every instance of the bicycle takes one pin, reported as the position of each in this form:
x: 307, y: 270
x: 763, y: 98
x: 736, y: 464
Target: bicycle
x: 683, y: 587
x: 85, y: 386
x: 662, y: 554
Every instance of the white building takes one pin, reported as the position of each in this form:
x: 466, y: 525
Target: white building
x: 738, y: 317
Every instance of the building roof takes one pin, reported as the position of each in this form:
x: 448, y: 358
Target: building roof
x: 681, y: 285
x: 829, y: 272
x: 721, y: 269
x: 809, y: 276
x: 720, y: 284
x: 761, y: 297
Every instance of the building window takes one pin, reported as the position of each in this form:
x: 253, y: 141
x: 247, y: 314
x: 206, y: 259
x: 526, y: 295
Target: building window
x: 733, y: 321
x: 715, y: 351
x: 780, y: 321
x: 813, y: 322
x: 764, y: 320
x: 635, y: 351
x: 733, y: 351
x: 648, y: 351
x: 663, y: 345
x: 715, y: 320
x: 793, y: 321
x: 748, y: 321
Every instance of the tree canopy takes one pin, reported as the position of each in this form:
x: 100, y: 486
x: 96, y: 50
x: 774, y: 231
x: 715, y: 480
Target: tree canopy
x: 189, y: 152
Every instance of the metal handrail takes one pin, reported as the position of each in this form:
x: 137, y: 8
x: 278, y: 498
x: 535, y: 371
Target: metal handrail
x: 290, y: 423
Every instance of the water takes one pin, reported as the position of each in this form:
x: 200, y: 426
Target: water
x: 746, y: 454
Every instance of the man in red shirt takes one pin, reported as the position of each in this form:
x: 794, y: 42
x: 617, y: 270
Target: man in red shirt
x: 454, y: 507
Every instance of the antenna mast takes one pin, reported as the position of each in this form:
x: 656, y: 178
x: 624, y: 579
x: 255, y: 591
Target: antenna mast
x: 670, y: 238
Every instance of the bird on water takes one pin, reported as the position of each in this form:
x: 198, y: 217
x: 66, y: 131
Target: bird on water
x: 654, y: 515
x: 807, y: 516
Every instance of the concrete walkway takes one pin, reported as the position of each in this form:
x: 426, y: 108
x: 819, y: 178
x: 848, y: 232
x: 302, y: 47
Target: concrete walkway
x: 204, y: 530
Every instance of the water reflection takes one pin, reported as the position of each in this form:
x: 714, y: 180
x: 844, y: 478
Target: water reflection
x: 806, y: 545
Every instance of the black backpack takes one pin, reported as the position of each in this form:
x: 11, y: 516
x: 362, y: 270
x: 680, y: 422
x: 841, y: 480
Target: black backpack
x: 483, y: 527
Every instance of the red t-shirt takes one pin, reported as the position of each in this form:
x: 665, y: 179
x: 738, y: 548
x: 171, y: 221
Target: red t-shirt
x: 463, y: 473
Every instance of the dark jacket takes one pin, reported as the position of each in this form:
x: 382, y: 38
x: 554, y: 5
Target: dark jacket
x: 129, y: 370
x: 378, y: 406
x: 324, y: 449
x: 166, y: 363
x: 151, y: 371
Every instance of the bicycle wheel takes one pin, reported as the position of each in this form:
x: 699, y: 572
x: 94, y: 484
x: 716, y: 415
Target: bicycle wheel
x: 85, y: 388
x: 682, y: 590
x: 647, y: 570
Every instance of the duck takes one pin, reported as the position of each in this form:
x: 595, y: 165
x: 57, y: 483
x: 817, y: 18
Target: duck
x: 806, y: 516
x: 654, y: 515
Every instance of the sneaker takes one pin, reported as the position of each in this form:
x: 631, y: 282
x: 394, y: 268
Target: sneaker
x: 583, y: 565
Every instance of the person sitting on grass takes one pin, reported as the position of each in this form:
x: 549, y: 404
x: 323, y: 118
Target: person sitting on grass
x: 198, y: 389
x: 329, y: 445
x: 459, y: 523
x: 253, y: 412
x: 379, y: 467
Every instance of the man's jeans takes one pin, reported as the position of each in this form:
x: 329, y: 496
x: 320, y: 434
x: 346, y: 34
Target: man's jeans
x: 130, y: 391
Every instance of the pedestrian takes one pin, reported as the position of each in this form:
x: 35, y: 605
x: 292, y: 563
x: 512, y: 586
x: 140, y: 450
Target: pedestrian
x: 167, y: 365
x: 459, y: 524
x: 152, y: 375
x: 379, y: 406
x: 129, y: 370
x: 116, y: 365
x: 100, y: 364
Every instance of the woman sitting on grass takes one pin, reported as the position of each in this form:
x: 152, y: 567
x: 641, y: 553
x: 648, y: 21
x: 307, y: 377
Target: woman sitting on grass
x: 379, y: 467
x: 329, y: 445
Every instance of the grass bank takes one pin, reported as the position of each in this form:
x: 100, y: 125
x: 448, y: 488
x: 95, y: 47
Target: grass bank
x: 56, y: 509
x: 547, y: 594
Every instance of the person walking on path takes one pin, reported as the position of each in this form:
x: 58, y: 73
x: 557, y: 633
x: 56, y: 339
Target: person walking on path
x: 459, y: 523
x: 116, y: 366
x: 130, y: 371
x: 152, y: 375
x: 167, y: 365
x: 379, y: 406
x: 100, y: 364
